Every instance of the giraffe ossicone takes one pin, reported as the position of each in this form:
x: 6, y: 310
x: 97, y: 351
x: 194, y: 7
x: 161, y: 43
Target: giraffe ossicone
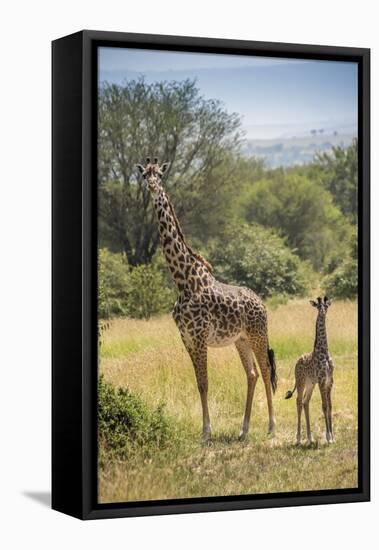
x: 209, y: 313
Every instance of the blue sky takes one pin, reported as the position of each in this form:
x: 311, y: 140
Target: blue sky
x: 276, y: 97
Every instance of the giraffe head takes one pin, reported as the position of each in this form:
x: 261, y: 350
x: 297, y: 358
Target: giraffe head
x: 321, y: 304
x: 152, y: 173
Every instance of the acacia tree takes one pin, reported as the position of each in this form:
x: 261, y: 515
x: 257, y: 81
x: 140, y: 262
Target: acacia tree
x: 169, y: 120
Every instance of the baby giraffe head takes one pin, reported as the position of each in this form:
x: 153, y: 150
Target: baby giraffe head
x: 321, y: 304
x: 152, y: 173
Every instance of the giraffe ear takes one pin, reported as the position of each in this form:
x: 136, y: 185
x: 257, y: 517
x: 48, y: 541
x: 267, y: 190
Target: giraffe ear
x: 313, y: 303
x: 327, y: 301
x: 165, y: 166
x: 140, y: 168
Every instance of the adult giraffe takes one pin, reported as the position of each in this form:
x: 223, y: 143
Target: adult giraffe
x: 208, y: 312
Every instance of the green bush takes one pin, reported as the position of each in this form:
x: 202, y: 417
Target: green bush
x: 148, y: 294
x: 256, y: 257
x: 343, y: 282
x: 113, y: 285
x: 125, y: 423
x: 125, y: 291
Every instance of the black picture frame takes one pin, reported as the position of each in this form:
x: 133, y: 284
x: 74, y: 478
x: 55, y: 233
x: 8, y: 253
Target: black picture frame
x: 74, y: 273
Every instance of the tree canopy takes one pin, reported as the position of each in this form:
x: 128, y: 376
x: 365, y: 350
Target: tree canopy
x: 172, y: 121
x: 338, y: 172
x: 302, y: 211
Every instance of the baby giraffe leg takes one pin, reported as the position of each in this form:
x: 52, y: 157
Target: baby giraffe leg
x: 308, y: 394
x: 299, y: 405
x: 325, y: 410
x: 330, y: 418
x: 246, y: 355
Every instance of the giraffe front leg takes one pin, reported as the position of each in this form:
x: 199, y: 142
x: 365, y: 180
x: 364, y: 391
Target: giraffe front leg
x: 198, y: 355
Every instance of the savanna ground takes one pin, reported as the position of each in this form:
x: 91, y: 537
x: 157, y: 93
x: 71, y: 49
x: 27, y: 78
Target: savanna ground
x: 149, y: 358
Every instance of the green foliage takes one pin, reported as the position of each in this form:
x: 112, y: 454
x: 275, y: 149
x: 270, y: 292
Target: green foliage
x: 209, y: 209
x: 169, y: 120
x: 138, y: 292
x: 338, y: 172
x: 343, y: 282
x: 113, y: 284
x: 148, y: 294
x: 256, y: 257
x: 301, y: 211
x: 125, y: 423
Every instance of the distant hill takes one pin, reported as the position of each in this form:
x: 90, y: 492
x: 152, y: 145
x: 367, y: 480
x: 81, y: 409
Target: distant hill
x: 294, y: 150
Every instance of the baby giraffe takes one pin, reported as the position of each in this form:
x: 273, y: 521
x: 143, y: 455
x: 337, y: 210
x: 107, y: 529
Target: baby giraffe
x: 315, y: 368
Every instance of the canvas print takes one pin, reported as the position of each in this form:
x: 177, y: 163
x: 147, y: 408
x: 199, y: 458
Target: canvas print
x: 227, y: 275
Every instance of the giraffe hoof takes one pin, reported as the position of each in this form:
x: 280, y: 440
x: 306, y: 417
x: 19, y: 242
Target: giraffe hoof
x: 271, y: 427
x: 206, y: 439
x: 242, y: 436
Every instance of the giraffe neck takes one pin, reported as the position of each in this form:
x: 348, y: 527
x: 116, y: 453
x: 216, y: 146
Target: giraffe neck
x: 188, y: 269
x: 321, y: 340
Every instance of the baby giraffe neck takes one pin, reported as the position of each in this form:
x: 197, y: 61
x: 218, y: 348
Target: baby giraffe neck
x: 321, y: 340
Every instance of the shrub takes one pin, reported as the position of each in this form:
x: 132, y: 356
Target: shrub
x: 148, y: 294
x: 112, y: 284
x: 256, y: 257
x: 125, y: 423
x: 343, y: 282
x: 138, y: 292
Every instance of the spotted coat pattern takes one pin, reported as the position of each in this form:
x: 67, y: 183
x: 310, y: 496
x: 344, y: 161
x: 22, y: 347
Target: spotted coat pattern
x: 208, y: 312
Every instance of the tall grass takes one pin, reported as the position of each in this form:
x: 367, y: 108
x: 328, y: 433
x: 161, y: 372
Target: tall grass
x: 149, y: 359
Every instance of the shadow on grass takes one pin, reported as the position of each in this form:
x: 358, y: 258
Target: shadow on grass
x: 224, y: 438
x: 304, y: 447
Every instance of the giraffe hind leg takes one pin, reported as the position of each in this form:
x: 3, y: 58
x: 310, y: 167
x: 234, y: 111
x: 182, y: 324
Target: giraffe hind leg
x: 299, y: 407
x: 264, y: 365
x: 247, y: 359
x: 309, y: 387
x: 325, y: 410
x: 330, y: 418
x: 198, y: 355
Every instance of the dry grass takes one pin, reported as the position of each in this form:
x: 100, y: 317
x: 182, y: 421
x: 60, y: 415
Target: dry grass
x: 149, y: 358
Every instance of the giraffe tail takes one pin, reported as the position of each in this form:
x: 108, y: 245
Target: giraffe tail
x: 290, y: 393
x: 273, y: 375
